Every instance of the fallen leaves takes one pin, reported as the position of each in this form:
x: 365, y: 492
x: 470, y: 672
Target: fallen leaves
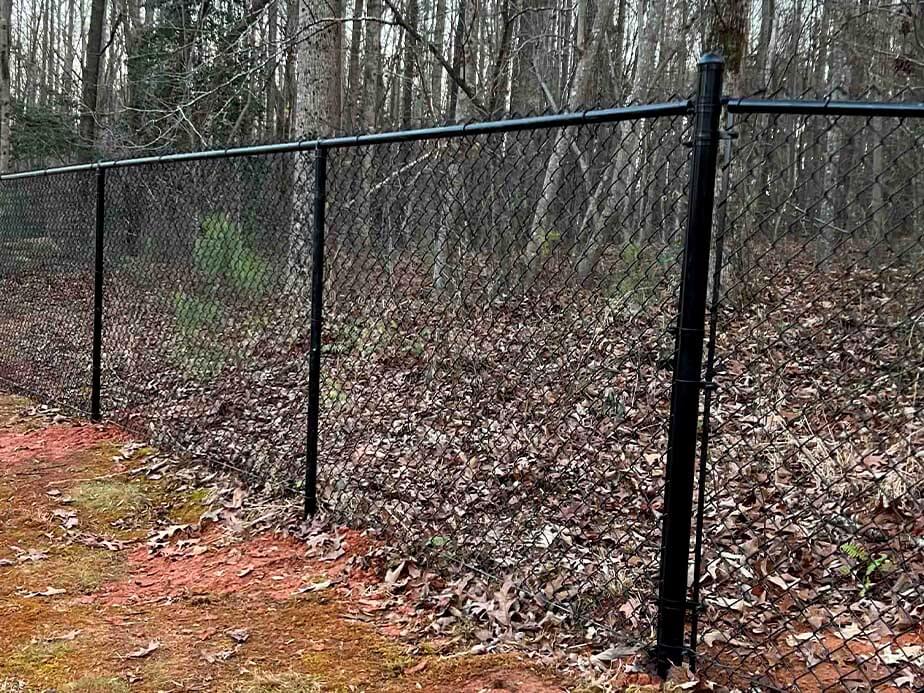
x: 240, y: 635
x: 612, y: 653
x: 315, y: 586
x: 522, y: 441
x: 64, y: 637
x: 47, y: 592
x: 143, y: 651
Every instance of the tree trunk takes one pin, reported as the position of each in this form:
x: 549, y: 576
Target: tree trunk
x: 765, y: 37
x: 317, y: 115
x: 834, y: 157
x: 351, y: 112
x: 458, y: 53
x: 287, y: 125
x: 436, y: 76
x: 269, y: 84
x: 556, y: 169
x: 407, y: 71
x: 6, y: 9
x: 91, y: 73
x: 617, y: 181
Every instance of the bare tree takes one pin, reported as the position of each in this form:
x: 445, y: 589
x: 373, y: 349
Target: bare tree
x: 91, y: 75
x: 6, y: 104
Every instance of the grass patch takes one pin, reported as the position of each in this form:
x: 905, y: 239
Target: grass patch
x: 188, y: 508
x: 97, y: 684
x: 288, y: 682
x: 110, y: 498
x: 77, y: 569
x: 39, y: 658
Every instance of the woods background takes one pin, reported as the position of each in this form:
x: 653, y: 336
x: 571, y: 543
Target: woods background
x: 81, y: 79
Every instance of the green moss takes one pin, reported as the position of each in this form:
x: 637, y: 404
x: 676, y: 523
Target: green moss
x: 393, y: 661
x: 77, y: 569
x: 189, y: 506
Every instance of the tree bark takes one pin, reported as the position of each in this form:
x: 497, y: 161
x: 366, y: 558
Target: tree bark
x: 6, y: 104
x: 317, y: 115
x: 90, y: 86
x: 556, y: 169
x: 351, y: 112
x: 614, y: 191
x: 409, y: 63
x: 436, y: 75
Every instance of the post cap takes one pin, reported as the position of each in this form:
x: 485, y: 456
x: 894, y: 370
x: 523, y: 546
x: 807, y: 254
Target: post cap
x: 710, y: 59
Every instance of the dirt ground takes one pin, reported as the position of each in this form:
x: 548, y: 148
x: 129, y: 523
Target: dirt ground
x: 111, y: 580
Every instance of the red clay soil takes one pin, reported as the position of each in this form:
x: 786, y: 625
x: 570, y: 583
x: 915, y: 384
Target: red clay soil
x: 53, y: 443
x: 88, y: 603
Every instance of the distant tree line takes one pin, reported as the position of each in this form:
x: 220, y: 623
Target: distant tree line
x: 86, y: 78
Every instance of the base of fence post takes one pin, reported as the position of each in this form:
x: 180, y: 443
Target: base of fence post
x: 687, y: 383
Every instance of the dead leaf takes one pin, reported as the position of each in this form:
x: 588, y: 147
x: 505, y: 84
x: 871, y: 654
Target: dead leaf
x: 219, y: 656
x: 69, y: 635
x: 239, y: 634
x: 420, y: 666
x: 143, y: 651
x: 167, y: 533
x: 49, y: 592
x: 714, y: 636
x: 611, y: 653
x: 314, y: 587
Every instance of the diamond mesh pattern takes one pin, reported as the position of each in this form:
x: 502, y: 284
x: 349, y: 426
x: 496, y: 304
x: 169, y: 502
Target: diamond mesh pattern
x: 205, y: 310
x: 813, y: 562
x: 496, y: 371
x: 46, y: 277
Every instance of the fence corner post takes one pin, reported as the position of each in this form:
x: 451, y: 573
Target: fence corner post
x: 317, y: 309
x: 686, y: 386
x: 96, y: 377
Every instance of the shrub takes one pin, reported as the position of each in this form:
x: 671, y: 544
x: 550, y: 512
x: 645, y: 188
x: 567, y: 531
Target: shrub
x: 194, y: 315
x: 222, y: 254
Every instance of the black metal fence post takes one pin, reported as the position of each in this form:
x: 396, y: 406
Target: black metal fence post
x: 317, y: 308
x: 687, y: 380
x: 95, y: 410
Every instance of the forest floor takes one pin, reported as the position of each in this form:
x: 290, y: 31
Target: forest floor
x: 116, y: 574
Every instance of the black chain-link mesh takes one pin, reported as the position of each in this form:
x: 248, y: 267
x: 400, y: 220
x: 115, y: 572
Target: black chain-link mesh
x: 813, y: 558
x: 46, y: 279
x: 206, y: 317
x: 497, y: 353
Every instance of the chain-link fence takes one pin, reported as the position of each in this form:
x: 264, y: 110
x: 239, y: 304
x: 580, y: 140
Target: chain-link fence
x: 813, y: 563
x: 468, y: 338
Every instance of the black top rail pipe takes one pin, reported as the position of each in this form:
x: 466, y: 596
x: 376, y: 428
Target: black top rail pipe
x: 558, y: 120
x: 827, y: 107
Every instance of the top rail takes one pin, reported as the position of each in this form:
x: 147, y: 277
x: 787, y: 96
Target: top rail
x: 558, y: 120
x: 827, y: 107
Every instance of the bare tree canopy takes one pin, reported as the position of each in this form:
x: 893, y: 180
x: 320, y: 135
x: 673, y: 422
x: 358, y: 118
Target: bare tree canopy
x: 90, y: 78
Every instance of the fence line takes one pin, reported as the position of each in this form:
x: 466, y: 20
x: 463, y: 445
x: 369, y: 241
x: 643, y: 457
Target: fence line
x: 490, y: 384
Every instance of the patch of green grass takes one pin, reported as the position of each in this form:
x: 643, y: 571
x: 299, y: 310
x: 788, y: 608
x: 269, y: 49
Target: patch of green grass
x: 77, y: 569
x: 98, y: 684
x: 287, y: 682
x: 187, y: 509
x: 39, y: 657
x: 110, y: 498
